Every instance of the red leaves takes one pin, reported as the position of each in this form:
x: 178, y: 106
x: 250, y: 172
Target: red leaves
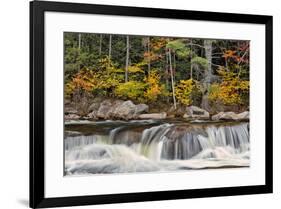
x: 237, y: 55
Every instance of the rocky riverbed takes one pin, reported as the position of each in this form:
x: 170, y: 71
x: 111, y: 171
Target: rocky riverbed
x: 109, y: 109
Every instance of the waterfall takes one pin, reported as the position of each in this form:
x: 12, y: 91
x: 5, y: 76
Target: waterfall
x: 152, y: 141
x: 79, y: 141
x: 126, y: 148
x: 223, y: 139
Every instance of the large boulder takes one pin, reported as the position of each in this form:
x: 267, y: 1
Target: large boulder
x: 104, y: 110
x: 162, y: 115
x: 94, y: 107
x: 141, y: 108
x: 116, y: 109
x: 194, y: 112
x: 231, y: 116
x: 124, y: 110
x: 92, y: 115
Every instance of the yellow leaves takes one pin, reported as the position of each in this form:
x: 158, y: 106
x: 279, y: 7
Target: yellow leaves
x: 69, y: 88
x: 135, y: 69
x: 230, y: 91
x: 147, y: 91
x: 90, y: 81
x: 154, y: 88
x: 186, y: 90
x: 158, y: 43
x: 130, y: 90
x: 245, y: 85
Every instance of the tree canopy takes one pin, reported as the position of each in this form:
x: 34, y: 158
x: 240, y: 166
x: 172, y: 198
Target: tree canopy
x: 174, y: 71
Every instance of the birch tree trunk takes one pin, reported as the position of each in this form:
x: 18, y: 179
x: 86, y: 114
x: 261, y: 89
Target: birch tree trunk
x: 79, y: 47
x: 190, y: 58
x: 174, y: 58
x: 127, y: 59
x: 172, y: 79
x: 100, y: 45
x: 167, y: 68
x: 79, y: 41
x: 208, y: 74
x: 109, y: 47
x: 167, y: 72
x: 148, y: 50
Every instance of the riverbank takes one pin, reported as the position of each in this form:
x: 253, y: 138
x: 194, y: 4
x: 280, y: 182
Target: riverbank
x: 109, y: 109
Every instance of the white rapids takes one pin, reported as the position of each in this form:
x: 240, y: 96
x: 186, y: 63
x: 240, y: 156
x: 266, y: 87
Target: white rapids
x: 158, y: 147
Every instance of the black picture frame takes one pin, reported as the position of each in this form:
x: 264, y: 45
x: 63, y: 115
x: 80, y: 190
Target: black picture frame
x: 37, y: 195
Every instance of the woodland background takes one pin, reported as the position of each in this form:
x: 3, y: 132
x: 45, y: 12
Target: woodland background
x: 163, y: 72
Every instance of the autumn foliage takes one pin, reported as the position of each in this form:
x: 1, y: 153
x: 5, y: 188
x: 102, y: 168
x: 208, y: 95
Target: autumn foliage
x: 232, y: 90
x: 170, y: 71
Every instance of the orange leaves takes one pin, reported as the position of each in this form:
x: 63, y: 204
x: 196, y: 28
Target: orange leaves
x: 154, y: 54
x: 229, y: 53
x: 237, y: 56
x: 85, y: 79
x: 158, y: 44
x: 151, y: 56
x: 89, y: 81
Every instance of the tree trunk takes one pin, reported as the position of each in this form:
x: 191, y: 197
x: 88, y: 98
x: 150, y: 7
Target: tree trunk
x: 208, y: 74
x: 109, y: 47
x: 100, y: 45
x: 167, y: 72
x: 190, y: 58
x: 167, y: 68
x: 172, y: 79
x: 79, y: 41
x: 79, y: 47
x: 148, y: 50
x: 174, y: 57
x: 127, y: 59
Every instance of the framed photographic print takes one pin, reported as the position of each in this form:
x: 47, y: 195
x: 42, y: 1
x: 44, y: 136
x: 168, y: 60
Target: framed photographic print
x: 135, y: 104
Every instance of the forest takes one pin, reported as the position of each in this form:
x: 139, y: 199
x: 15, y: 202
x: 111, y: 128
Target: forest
x: 148, y: 104
x: 165, y: 73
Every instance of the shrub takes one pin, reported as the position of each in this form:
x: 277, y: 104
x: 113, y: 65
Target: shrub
x: 154, y: 89
x: 188, y: 92
x: 130, y: 90
x: 231, y: 91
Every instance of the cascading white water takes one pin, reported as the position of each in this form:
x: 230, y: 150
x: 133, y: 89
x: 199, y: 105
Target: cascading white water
x: 152, y: 141
x: 158, y: 147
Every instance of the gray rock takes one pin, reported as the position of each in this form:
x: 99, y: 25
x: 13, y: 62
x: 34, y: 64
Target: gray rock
x: 92, y: 115
x: 116, y: 109
x: 125, y: 110
x: 244, y: 115
x: 231, y: 116
x: 141, y: 108
x: 70, y: 110
x: 104, y: 110
x: 194, y: 112
x: 162, y: 115
x: 71, y: 117
x: 94, y: 107
x: 113, y: 112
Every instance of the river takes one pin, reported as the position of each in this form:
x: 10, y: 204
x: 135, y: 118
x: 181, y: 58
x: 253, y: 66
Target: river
x: 102, y: 147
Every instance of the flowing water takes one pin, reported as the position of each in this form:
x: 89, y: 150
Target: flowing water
x: 150, y: 145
